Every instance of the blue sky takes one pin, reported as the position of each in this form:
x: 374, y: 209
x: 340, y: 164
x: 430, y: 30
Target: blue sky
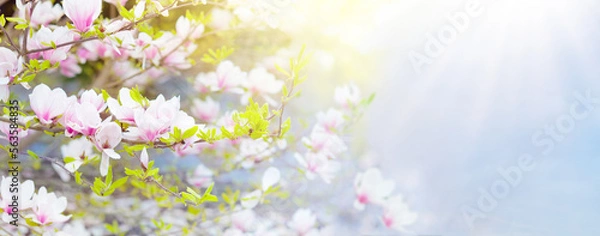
x: 511, y: 73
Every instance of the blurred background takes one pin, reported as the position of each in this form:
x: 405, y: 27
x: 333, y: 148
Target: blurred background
x: 441, y: 127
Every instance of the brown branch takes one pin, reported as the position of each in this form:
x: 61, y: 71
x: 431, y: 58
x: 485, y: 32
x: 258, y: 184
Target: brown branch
x: 10, y: 41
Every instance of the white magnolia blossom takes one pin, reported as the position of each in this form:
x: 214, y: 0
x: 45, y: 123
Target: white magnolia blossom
x: 370, y: 187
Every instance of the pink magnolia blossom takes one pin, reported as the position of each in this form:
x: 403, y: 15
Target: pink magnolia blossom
x: 9, y: 67
x: 185, y: 28
x: 48, y: 104
x: 70, y: 66
x: 48, y: 208
x: 303, y: 222
x: 244, y: 220
x: 396, y: 214
x: 185, y: 122
x: 107, y: 137
x: 144, y: 158
x: 174, y: 51
x: 260, y: 82
x: 5, y: 131
x: 347, y: 96
x: 93, y: 98
x: 26, y: 191
x: 81, y: 149
x: 226, y: 78
x: 82, y: 13
x: 206, y: 111
x: 177, y: 60
x: 202, y: 177
x: 155, y: 121
x: 45, y: 37
x: 124, y: 108
x: 81, y: 119
x: 146, y: 49
x: 253, y: 151
x: 43, y: 13
x: 317, y: 164
x: 331, y: 121
x: 370, y: 187
x: 327, y: 144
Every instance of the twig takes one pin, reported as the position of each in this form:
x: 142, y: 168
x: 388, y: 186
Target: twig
x: 10, y: 41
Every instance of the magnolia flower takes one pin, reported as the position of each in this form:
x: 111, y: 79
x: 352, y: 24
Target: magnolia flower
x: 202, y: 177
x: 80, y: 149
x: 83, y: 13
x: 206, y: 111
x: 124, y: 108
x: 81, y: 119
x: 43, y: 13
x: 261, y: 82
x: 144, y: 158
x: 251, y: 199
x: 327, y: 144
x: 396, y: 214
x: 70, y: 66
x: 318, y: 164
x: 48, y: 209
x: 184, y: 122
x: 226, y: 78
x: 185, y: 29
x: 347, y: 96
x: 270, y: 178
x: 107, y: 137
x: 303, y: 222
x: 155, y: 121
x: 244, y: 220
x: 48, y: 104
x: 370, y: 187
x: 146, y: 49
x: 94, y: 99
x: 253, y: 151
x: 9, y: 67
x: 330, y: 121
x: 5, y: 130
x: 25, y: 194
x: 45, y: 37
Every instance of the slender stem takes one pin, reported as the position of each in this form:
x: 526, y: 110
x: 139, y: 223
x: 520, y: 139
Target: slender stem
x: 56, y: 162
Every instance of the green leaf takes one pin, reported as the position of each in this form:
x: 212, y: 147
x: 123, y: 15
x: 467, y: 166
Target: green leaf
x: 190, y: 132
x: 32, y: 154
x: 68, y: 160
x: 78, y: 179
x: 109, y: 176
x: 125, y: 13
x: 2, y: 20
x: 120, y: 182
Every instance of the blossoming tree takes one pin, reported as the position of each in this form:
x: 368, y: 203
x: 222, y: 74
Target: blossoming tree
x: 100, y: 96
